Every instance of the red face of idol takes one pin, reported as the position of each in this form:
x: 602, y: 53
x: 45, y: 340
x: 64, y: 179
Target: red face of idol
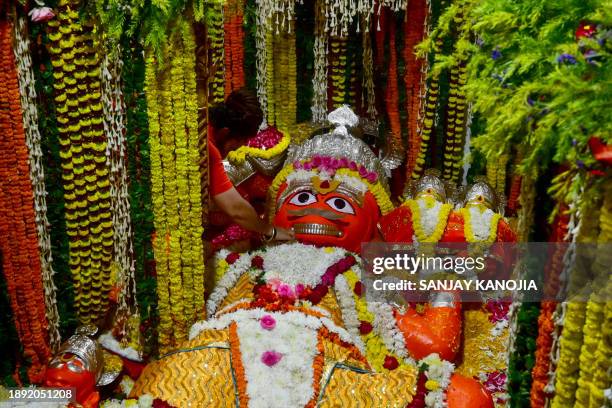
x: 323, y: 216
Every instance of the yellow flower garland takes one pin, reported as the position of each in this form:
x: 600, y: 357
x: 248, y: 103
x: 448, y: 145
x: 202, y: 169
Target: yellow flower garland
x: 376, y: 351
x: 418, y: 224
x: 76, y: 73
x: 175, y: 178
x: 239, y: 155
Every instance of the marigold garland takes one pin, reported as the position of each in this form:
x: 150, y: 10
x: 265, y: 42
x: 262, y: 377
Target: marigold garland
x: 417, y: 219
x: 37, y: 175
x: 392, y: 93
x: 175, y: 178
x: 415, y: 27
x: 217, y: 67
x: 376, y: 352
x: 239, y: 155
x: 18, y: 239
x: 336, y: 94
x: 233, y: 40
x: 86, y: 175
x: 282, y: 105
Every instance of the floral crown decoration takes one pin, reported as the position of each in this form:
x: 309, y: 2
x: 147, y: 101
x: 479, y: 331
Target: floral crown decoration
x: 336, y: 156
x: 263, y: 153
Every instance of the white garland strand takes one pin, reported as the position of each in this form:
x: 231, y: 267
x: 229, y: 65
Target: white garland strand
x: 319, y: 79
x: 27, y: 93
x: 261, y: 62
x: 114, y: 128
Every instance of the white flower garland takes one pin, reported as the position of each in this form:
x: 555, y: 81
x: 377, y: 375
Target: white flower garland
x: 114, y: 128
x: 289, y: 382
x: 296, y: 263
x: 144, y: 401
x: 368, y: 72
x: 109, y: 342
x: 438, y: 375
x: 229, y: 279
x: 27, y: 93
x: 344, y: 294
x: 319, y: 79
x: 481, y: 220
x: 384, y: 324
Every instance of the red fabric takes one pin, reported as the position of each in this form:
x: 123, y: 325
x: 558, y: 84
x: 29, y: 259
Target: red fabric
x: 219, y: 182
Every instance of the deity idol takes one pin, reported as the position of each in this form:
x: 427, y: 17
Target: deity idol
x: 287, y: 325
x: 428, y: 216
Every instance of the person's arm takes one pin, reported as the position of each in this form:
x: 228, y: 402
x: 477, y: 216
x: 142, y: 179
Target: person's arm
x: 243, y: 214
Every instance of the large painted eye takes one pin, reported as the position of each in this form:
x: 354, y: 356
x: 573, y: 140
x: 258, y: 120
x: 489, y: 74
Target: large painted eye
x: 303, y: 198
x: 341, y: 205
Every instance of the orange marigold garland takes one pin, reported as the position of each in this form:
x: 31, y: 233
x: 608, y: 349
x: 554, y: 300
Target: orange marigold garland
x: 415, y: 25
x: 546, y: 325
x: 233, y: 45
x: 18, y: 239
x: 86, y: 182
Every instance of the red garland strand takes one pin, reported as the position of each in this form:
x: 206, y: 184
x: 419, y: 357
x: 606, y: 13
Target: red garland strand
x: 546, y: 323
x: 414, y: 80
x: 18, y: 239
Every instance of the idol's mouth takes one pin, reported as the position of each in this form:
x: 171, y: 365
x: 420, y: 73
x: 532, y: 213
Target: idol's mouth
x: 317, y: 229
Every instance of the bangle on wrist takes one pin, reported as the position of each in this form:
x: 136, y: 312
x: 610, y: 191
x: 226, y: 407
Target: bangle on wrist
x: 271, y: 237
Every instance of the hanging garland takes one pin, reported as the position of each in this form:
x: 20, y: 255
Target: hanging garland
x: 392, y: 93
x: 233, y: 45
x: 415, y: 27
x: 175, y: 177
x: 37, y: 175
x: 337, y: 80
x: 215, y: 36
x: 320, y: 79
x: 123, y: 249
x: 21, y: 261
x: 368, y: 71
x: 283, y: 77
x: 86, y: 175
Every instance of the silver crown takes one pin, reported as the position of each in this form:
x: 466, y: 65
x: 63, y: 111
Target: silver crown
x: 481, y: 193
x: 430, y: 184
x: 340, y: 143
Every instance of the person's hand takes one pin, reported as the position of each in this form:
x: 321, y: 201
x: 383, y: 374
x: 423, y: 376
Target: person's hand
x: 283, y: 234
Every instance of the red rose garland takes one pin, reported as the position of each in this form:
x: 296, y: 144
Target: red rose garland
x: 18, y: 237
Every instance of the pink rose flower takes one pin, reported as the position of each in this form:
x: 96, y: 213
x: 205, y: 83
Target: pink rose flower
x: 271, y: 357
x: 352, y: 165
x: 363, y: 172
x: 371, y: 177
x: 274, y: 283
x: 343, y: 162
x: 285, y: 291
x: 267, y: 322
x: 299, y: 289
x: 495, y: 381
x: 316, y: 161
x: 308, y: 166
x: 326, y: 161
x: 41, y: 14
x: 498, y: 310
x: 297, y: 165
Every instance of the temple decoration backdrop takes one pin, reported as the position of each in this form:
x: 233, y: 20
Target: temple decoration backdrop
x: 103, y: 151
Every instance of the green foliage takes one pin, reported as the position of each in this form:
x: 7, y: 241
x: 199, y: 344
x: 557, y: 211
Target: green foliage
x: 522, y: 359
x: 533, y: 83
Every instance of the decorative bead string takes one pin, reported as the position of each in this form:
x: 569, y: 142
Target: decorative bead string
x: 18, y: 232
x: 114, y: 127
x: 83, y: 151
x: 27, y: 92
